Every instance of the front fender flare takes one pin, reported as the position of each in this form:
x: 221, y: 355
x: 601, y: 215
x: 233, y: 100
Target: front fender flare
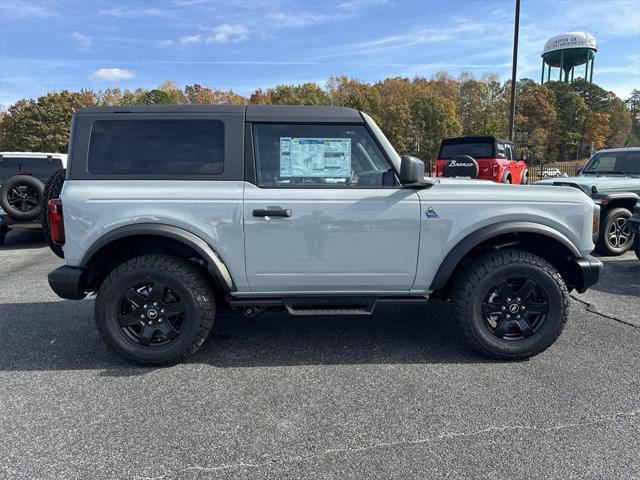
x: 462, y: 248
x: 216, y: 265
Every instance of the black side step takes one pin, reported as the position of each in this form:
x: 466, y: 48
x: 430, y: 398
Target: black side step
x: 318, y: 305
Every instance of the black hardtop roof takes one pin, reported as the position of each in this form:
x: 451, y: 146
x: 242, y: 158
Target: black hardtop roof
x: 253, y: 113
x: 475, y: 139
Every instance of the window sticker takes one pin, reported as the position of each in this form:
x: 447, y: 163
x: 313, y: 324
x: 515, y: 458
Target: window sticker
x: 315, y: 157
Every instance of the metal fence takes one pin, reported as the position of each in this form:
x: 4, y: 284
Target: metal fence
x: 556, y: 170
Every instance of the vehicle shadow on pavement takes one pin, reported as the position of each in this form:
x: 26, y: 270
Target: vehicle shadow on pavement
x: 23, y: 239
x: 62, y: 336
x: 620, y: 277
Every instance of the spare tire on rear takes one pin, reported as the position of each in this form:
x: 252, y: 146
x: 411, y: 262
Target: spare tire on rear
x: 462, y: 166
x: 52, y: 189
x: 21, y: 197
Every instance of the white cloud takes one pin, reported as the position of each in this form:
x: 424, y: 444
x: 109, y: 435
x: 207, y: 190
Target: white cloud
x: 84, y: 41
x: 228, y: 33
x: 191, y: 39
x: 302, y: 19
x: 111, y: 74
x: 120, y: 13
x: 225, y: 33
x: 24, y: 9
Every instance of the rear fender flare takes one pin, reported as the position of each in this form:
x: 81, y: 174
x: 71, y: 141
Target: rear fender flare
x: 215, y: 263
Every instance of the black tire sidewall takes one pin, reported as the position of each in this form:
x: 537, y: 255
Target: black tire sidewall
x: 52, y: 189
x: 107, y: 321
x: 16, y: 181
x: 524, y: 179
x: 548, y: 332
x: 603, y: 243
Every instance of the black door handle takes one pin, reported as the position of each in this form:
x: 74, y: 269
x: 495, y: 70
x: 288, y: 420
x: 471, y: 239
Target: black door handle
x: 272, y: 212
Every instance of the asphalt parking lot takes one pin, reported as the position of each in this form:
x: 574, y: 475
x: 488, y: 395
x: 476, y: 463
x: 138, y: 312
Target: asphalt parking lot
x: 394, y: 395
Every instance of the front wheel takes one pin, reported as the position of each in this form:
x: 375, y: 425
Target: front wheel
x: 510, y: 304
x: 615, y: 236
x: 155, y: 309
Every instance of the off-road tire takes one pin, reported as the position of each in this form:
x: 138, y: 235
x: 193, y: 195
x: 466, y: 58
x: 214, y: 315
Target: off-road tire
x: 475, y: 281
x: 52, y: 189
x: 604, y: 246
x: 506, y: 178
x: 186, y: 279
x: 17, y: 182
x: 524, y: 179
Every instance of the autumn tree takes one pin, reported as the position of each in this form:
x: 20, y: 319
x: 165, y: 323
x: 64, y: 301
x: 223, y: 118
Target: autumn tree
x: 633, y: 104
x: 197, y: 94
x: 433, y: 119
x: 535, y: 119
x: 42, y: 124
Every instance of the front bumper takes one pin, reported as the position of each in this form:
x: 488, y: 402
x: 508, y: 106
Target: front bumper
x: 587, y: 272
x: 68, y: 282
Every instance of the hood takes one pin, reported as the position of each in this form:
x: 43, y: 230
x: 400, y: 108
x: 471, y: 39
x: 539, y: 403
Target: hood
x: 602, y: 184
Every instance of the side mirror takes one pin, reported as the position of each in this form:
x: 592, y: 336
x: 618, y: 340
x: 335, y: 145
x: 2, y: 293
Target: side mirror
x: 411, y: 170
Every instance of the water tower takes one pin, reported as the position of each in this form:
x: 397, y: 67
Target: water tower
x: 566, y: 52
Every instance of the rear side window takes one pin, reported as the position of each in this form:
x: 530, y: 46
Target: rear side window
x: 476, y: 150
x: 41, y: 167
x: 164, y: 147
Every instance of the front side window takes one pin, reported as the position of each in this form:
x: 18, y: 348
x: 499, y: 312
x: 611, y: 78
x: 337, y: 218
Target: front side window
x: 165, y: 147
x: 319, y: 155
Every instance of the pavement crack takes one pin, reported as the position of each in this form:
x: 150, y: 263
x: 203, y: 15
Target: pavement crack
x: 418, y: 441
x: 591, y: 309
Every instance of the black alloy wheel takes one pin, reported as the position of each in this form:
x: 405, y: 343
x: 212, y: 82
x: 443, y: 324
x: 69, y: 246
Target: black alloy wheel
x: 23, y: 198
x: 150, y: 314
x: 515, y: 308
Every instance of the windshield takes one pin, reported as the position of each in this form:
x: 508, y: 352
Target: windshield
x: 476, y: 150
x: 614, y: 163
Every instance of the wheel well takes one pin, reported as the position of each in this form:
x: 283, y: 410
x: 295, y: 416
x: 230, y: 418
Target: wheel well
x: 627, y: 203
x: 108, y: 257
x: 552, y: 250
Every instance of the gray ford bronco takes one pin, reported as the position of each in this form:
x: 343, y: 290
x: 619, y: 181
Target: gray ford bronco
x: 169, y: 213
x: 612, y: 178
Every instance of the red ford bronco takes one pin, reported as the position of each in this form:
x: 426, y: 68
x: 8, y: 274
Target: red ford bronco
x: 491, y: 158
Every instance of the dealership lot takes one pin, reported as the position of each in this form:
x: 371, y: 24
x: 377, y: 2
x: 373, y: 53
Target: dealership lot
x: 394, y: 395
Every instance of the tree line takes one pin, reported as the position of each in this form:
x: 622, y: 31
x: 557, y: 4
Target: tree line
x: 554, y: 122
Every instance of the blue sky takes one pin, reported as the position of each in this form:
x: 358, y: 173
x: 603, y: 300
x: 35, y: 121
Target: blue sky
x: 246, y: 44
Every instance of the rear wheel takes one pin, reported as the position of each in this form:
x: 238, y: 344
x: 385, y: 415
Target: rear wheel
x: 510, y: 304
x: 506, y: 178
x: 615, y: 236
x: 155, y: 309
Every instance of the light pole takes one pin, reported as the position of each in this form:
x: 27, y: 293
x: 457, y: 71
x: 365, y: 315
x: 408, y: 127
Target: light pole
x: 512, y: 105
